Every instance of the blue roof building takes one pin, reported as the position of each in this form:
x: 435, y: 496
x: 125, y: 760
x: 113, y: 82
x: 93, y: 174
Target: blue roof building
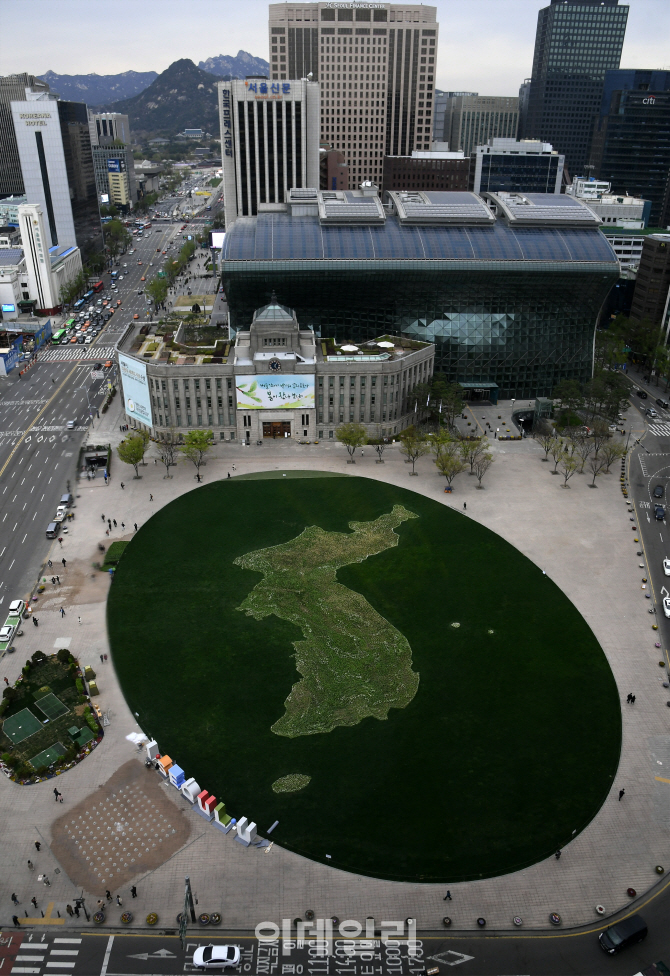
x: 508, y: 286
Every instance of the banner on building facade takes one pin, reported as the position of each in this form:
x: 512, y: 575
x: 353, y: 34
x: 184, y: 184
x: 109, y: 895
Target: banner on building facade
x: 136, y: 396
x: 275, y: 392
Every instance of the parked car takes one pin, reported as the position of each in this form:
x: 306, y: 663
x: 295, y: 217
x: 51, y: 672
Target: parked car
x: 666, y: 566
x: 628, y: 932
x: 663, y: 403
x: 658, y: 491
x: 216, y: 957
x: 16, y: 608
x: 659, y: 512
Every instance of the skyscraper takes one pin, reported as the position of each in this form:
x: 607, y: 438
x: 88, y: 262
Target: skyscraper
x: 269, y: 142
x: 576, y: 42
x: 631, y: 141
x: 13, y: 89
x: 108, y: 127
x: 376, y: 66
x: 470, y: 120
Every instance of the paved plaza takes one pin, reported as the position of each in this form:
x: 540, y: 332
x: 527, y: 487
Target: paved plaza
x: 580, y: 537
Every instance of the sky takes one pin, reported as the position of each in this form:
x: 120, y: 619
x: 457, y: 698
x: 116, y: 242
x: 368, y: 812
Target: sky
x: 485, y: 45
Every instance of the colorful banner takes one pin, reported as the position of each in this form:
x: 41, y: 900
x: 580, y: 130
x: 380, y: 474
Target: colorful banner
x: 275, y: 392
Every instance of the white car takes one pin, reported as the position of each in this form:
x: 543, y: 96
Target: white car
x: 666, y: 566
x: 6, y: 634
x: 216, y: 957
x: 16, y: 608
x: 666, y: 605
x: 71, y: 424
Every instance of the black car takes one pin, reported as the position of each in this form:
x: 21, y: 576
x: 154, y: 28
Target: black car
x: 659, y: 512
x: 628, y: 932
x: 642, y: 395
x: 658, y: 491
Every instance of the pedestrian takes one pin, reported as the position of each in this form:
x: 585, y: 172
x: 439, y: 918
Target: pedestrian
x: 100, y: 903
x: 36, y: 621
x: 151, y: 498
x: 135, y: 524
x: 33, y: 902
x: 103, y: 518
x: 229, y: 474
x: 31, y: 866
x: 16, y: 922
x: 557, y: 855
x: 622, y: 793
x: 108, y: 895
x: 69, y: 909
x: 109, y: 523
x: 53, y: 580
x: 50, y: 564
x: 101, y: 659
x: 76, y: 910
x: 119, y: 902
x: 56, y: 793
x: 78, y: 619
x: 122, y: 485
x: 64, y: 562
x: 37, y: 845
x: 114, y: 521
x: 632, y: 699
x: 447, y: 897
x: 465, y: 505
x: 629, y: 697
x: 155, y: 460
x: 60, y: 540
x: 234, y: 468
x: 15, y: 899
x: 133, y: 891
x: 7, y: 681
x: 58, y: 580
x: 105, y: 658
x: 123, y: 525
x: 46, y: 881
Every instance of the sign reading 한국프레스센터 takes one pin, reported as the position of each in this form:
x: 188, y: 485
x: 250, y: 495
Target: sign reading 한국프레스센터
x: 136, y: 396
x: 274, y: 392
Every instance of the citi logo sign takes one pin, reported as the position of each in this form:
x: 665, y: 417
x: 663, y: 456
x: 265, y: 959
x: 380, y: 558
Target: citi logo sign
x: 649, y: 101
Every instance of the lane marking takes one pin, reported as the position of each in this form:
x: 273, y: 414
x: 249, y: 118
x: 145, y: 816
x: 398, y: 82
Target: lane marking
x: 661, y: 779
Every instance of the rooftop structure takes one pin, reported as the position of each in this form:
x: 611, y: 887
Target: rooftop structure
x: 620, y: 210
x: 525, y: 166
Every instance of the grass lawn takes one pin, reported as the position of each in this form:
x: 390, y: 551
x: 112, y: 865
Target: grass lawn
x: 508, y: 746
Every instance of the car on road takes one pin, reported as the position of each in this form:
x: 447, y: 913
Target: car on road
x: 666, y: 566
x: 96, y: 366
x: 211, y: 957
x: 143, y: 278
x: 641, y: 393
x: 109, y: 364
x: 658, y: 491
x: 125, y: 266
x: 659, y: 512
x: 71, y: 424
x: 650, y: 412
x: 118, y: 301
x: 662, y: 403
x: 628, y: 932
x: 135, y: 316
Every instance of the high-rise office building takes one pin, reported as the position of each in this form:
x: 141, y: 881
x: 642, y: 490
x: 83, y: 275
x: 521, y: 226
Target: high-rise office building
x: 49, y: 268
x: 470, y: 120
x: 376, y: 67
x: 508, y: 166
x: 631, y: 140
x: 114, y: 168
x: 269, y: 142
x: 524, y: 95
x: 652, y: 286
x: 576, y: 42
x: 13, y: 89
x: 437, y: 169
x: 54, y: 149
x: 106, y: 128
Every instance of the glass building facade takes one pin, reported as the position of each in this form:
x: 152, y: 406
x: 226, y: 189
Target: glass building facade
x: 514, y: 306
x: 576, y: 42
x: 518, y: 173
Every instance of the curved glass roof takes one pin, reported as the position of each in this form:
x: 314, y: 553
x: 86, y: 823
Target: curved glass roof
x: 280, y: 237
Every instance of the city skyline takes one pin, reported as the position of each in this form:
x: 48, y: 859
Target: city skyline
x: 485, y: 45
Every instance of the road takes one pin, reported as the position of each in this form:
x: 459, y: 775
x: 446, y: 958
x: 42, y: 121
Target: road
x: 38, y: 454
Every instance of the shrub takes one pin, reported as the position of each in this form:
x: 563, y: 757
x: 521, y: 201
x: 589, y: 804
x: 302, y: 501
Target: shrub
x: 9, y: 760
x: 63, y: 655
x: 38, y: 657
x: 80, y: 686
x: 4, y: 705
x: 81, y: 699
x: 92, y: 723
x: 27, y: 667
x: 41, y: 770
x: 10, y: 693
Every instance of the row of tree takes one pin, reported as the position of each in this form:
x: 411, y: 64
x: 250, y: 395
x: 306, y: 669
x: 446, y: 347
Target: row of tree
x: 452, y: 453
x: 157, y: 288
x: 574, y: 449
x: 195, y: 448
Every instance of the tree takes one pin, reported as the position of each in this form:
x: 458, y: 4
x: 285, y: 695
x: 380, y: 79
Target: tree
x: 546, y: 435
x: 448, y: 400
x: 167, y: 452
x: 157, y: 290
x: 473, y: 450
x: 131, y: 451
x: 583, y: 449
x: 379, y: 446
x: 116, y: 237
x: 599, y: 434
x: 481, y: 466
x: 196, y: 447
x: 568, y: 468
x: 144, y: 435
x: 352, y: 436
x: 442, y: 444
x: 413, y: 446
x: 596, y: 465
x: 449, y: 465
x: 610, y: 451
x: 556, y: 451
x: 570, y: 394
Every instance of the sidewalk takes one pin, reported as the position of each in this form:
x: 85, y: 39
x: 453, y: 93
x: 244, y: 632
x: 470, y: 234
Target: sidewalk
x: 580, y: 537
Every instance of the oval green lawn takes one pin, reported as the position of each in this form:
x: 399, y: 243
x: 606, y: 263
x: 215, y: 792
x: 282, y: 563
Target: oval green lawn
x: 508, y: 747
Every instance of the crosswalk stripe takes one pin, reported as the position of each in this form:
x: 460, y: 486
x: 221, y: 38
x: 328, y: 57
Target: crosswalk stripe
x: 660, y: 430
x: 71, y: 355
x: 67, y: 941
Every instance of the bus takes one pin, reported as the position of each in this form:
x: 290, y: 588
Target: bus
x: 88, y: 294
x: 98, y: 286
x: 57, y: 336
x: 70, y: 323
x: 78, y: 304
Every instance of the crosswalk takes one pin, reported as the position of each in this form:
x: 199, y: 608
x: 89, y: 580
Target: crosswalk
x: 54, y: 958
x: 65, y: 354
x: 660, y: 430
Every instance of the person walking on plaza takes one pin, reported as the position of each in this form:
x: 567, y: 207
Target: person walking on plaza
x: 15, y: 899
x: 16, y: 922
x: 64, y: 562
x: 76, y: 910
x: 70, y: 910
x: 133, y: 891
x: 108, y: 895
x: 151, y: 498
x: 122, y: 486
x: 56, y: 794
x: 114, y: 521
x: 31, y: 866
x: 46, y: 881
x: 62, y: 613
x: 119, y: 902
x: 37, y: 845
x: 36, y: 621
x: 135, y: 524
x: 102, y: 517
x: 447, y: 897
x: 558, y: 853
x: 33, y: 902
x: 622, y: 793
